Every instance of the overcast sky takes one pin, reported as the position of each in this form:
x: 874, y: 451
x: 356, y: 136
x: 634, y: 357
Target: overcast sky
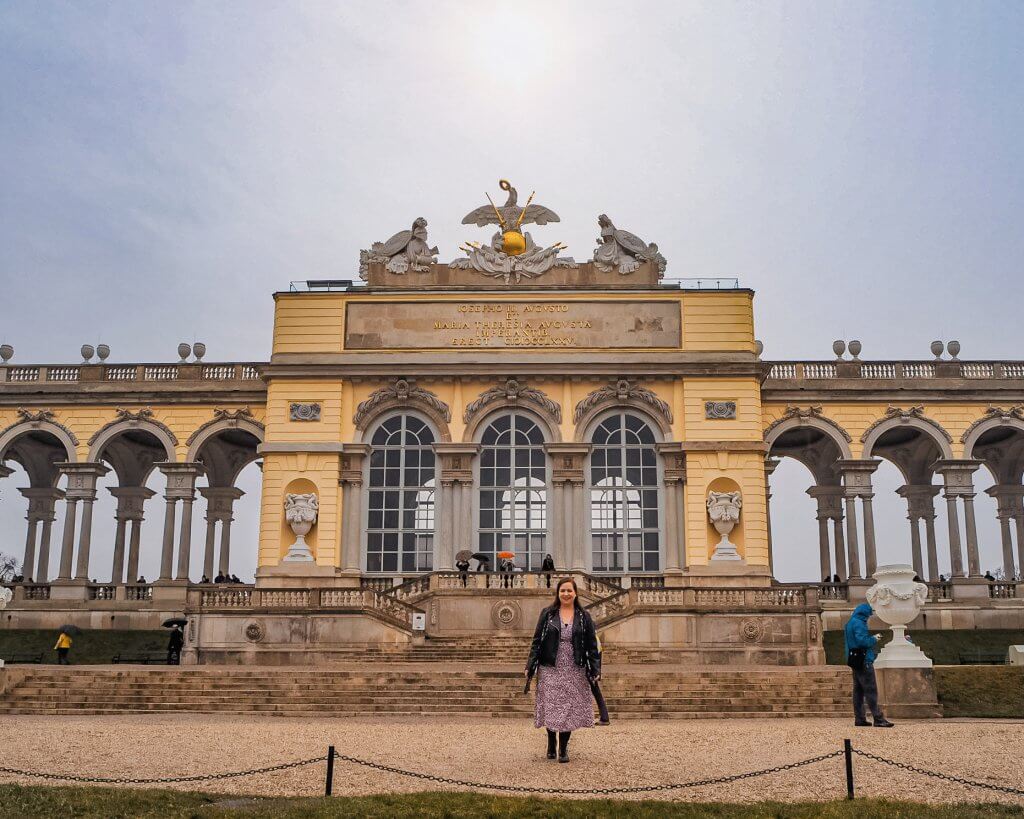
x: 165, y: 167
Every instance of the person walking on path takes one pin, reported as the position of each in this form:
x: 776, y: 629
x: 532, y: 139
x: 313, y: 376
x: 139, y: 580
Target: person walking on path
x: 564, y: 651
x: 63, y: 647
x: 174, y: 645
x: 860, y: 656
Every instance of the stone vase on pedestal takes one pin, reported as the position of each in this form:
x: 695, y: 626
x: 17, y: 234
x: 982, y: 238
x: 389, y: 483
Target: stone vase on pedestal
x: 300, y: 511
x: 897, y: 599
x: 724, y: 512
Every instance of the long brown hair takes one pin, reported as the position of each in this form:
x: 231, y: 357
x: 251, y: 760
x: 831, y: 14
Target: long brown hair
x: 558, y: 586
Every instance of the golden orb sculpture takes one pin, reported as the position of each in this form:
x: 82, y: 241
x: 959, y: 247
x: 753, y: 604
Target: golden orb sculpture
x: 513, y: 242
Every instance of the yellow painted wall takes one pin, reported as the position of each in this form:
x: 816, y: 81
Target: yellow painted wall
x: 718, y: 322
x: 282, y: 394
x: 746, y: 392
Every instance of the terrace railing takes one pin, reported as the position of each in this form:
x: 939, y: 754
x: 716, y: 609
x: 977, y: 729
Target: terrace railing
x: 91, y: 373
x: 893, y: 370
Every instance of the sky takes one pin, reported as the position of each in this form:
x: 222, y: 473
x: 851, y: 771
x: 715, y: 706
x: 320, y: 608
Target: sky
x: 165, y: 167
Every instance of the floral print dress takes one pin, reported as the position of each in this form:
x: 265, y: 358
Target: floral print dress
x: 563, y: 692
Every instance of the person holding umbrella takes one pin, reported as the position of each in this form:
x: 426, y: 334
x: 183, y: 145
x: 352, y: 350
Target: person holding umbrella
x: 462, y: 564
x: 176, y: 641
x: 63, y: 645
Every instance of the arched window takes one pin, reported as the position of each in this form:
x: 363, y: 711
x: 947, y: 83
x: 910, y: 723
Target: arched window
x: 513, y: 491
x: 400, y: 521
x: 624, y: 496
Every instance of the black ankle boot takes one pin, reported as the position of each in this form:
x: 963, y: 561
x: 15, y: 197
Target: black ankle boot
x: 563, y: 745
x: 551, y: 744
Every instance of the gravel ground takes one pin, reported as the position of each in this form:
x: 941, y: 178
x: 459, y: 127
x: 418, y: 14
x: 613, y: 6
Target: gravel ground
x: 634, y: 752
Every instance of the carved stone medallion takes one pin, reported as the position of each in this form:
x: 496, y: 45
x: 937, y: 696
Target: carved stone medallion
x: 304, y: 412
x: 254, y: 631
x: 506, y: 614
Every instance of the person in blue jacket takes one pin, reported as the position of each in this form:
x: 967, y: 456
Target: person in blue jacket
x: 864, y: 685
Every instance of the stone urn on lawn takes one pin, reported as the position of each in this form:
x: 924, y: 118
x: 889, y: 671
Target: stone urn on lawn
x: 897, y: 599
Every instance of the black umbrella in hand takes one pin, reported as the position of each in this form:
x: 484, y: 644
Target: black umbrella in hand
x: 175, y: 621
x: 70, y: 630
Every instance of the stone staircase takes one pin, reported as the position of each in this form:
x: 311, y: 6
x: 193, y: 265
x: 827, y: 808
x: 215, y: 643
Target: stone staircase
x: 439, y: 690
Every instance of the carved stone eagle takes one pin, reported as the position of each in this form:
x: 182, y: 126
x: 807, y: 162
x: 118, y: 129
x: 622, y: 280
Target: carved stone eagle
x: 510, y: 212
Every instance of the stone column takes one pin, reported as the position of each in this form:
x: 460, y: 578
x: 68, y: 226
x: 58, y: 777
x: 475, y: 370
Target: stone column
x: 673, y: 460
x: 830, y: 508
x: 578, y: 513
x: 920, y: 500
x: 1010, y: 505
x: 455, y: 461
x: 81, y: 486
x: 957, y: 476
x: 181, y: 485
x: 353, y: 457
x: 41, y: 503
x: 1019, y: 520
x: 857, y: 484
x: 567, y: 518
x: 220, y: 506
x: 130, y: 509
x: 770, y: 465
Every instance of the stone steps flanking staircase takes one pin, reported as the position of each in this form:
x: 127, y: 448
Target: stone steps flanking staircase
x: 441, y: 690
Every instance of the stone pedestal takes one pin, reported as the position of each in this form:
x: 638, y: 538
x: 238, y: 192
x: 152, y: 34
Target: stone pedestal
x: 302, y: 575
x: 907, y: 693
x: 69, y: 590
x: 971, y: 588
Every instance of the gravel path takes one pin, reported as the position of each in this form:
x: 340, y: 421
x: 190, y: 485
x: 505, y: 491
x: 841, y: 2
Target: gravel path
x: 626, y: 753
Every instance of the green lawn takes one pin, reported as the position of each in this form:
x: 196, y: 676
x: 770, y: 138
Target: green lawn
x: 981, y: 690
x: 943, y: 647
x: 93, y: 646
x: 113, y: 803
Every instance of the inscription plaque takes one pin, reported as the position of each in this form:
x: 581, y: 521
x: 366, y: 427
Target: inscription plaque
x: 542, y: 324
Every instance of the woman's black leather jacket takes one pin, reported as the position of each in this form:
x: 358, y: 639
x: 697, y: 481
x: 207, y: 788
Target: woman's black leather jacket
x: 544, y: 648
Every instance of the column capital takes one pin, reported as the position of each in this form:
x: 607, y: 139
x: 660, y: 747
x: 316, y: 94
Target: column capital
x: 130, y: 501
x: 830, y: 501
x: 82, y: 478
x: 220, y: 501
x: 771, y: 463
x: 41, y: 502
x: 568, y: 461
x: 673, y: 459
x: 1009, y: 499
x: 350, y: 466
x: 857, y: 474
x: 957, y: 474
x: 181, y: 478
x: 920, y: 499
x: 456, y: 461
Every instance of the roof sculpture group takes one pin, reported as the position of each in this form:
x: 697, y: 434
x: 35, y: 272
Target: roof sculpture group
x: 511, y: 254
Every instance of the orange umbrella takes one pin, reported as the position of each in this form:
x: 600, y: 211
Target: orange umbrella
x: 506, y: 555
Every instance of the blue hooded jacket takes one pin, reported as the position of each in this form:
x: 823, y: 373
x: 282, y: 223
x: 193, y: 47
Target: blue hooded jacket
x: 857, y: 634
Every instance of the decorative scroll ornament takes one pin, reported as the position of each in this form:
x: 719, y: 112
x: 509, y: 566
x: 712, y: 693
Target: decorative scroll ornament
x: 724, y: 512
x: 133, y: 419
x: 402, y: 392
x: 622, y: 391
x: 304, y: 412
x: 720, y: 410
x: 35, y: 418
x: 230, y: 417
x: 1015, y: 413
x: 804, y: 415
x: 514, y: 392
x: 406, y: 250
x: 624, y: 251
x: 905, y: 415
x: 300, y: 512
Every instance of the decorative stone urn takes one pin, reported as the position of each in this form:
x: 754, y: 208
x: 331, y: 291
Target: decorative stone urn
x: 300, y: 511
x: 897, y: 599
x: 724, y: 512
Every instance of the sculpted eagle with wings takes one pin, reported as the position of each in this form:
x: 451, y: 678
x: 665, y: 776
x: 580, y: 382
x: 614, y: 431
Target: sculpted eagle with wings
x: 510, y: 213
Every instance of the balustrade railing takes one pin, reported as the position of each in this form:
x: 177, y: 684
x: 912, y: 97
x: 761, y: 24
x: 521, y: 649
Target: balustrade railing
x: 233, y: 597
x: 940, y: 591
x: 68, y: 374
x: 1003, y: 590
x: 893, y: 370
x: 36, y: 591
x: 136, y: 591
x: 103, y: 592
x: 644, y: 581
x: 834, y: 591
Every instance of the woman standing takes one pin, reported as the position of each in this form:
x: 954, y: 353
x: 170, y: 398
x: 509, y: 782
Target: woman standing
x: 565, y: 650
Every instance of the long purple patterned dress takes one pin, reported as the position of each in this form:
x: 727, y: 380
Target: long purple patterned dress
x: 563, y: 693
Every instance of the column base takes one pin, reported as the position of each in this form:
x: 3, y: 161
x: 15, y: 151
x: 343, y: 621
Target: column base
x: 857, y: 590
x: 170, y: 591
x: 971, y: 588
x: 69, y: 590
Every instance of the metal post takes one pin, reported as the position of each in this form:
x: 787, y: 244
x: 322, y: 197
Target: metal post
x: 330, y: 770
x: 848, y: 754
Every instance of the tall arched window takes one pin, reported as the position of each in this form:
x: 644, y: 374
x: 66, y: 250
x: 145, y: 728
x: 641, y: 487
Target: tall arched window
x: 624, y: 496
x: 400, y: 521
x: 513, y: 491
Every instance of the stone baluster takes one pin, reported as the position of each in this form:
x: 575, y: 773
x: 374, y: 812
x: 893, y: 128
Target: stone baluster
x: 41, y: 502
x: 353, y: 457
x: 566, y: 524
x: 130, y: 506
x: 455, y: 461
x: 181, y: 484
x: 81, y: 486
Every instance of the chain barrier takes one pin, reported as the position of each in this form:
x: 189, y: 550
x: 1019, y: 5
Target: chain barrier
x: 935, y: 775
x: 587, y: 791
x: 163, y: 780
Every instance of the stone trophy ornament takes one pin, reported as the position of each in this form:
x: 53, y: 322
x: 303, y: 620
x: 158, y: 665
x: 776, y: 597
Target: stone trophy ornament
x: 624, y: 251
x: 300, y: 511
x: 512, y: 254
x: 406, y: 250
x: 897, y: 599
x: 724, y: 512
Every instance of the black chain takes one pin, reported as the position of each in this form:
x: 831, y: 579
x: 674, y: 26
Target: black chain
x: 121, y: 780
x: 947, y: 777
x: 578, y: 791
